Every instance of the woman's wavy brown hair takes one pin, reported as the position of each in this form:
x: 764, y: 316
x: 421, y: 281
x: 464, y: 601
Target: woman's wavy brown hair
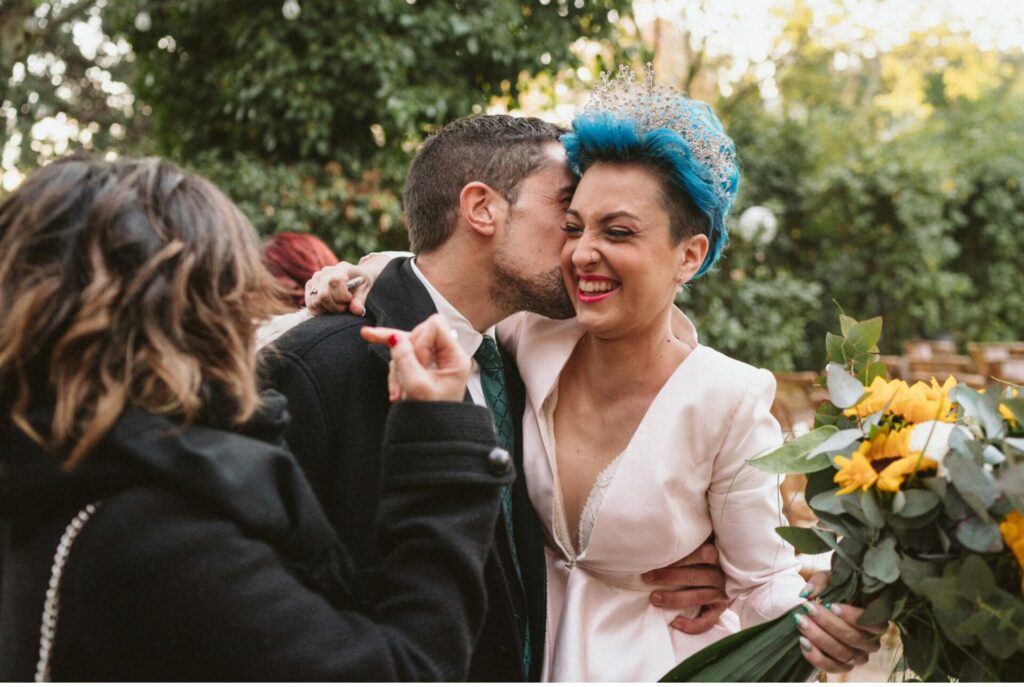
x: 123, y: 284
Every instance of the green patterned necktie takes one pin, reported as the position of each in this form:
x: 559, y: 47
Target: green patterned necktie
x: 492, y: 379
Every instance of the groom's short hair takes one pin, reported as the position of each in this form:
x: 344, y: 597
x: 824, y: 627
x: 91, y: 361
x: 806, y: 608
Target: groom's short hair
x: 498, y: 150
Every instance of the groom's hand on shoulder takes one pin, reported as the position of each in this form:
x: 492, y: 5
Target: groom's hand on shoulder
x: 695, y: 581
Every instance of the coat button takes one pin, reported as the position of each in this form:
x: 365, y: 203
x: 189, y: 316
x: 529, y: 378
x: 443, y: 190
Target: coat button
x: 499, y: 462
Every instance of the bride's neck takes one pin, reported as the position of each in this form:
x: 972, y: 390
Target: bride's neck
x: 638, y: 356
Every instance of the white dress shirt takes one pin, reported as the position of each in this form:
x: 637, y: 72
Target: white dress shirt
x: 469, y: 338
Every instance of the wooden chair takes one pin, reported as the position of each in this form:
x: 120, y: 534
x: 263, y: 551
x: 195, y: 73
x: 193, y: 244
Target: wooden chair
x: 923, y: 349
x: 897, y: 365
x: 940, y: 367
x: 1010, y: 370
x: 997, y: 359
x: 796, y: 399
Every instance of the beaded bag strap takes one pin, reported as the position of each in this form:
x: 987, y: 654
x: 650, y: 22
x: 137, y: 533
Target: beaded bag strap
x: 51, y: 608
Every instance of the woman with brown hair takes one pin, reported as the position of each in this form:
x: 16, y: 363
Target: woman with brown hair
x: 152, y: 524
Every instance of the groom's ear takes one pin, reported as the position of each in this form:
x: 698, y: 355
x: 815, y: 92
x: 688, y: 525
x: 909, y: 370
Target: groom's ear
x: 482, y: 208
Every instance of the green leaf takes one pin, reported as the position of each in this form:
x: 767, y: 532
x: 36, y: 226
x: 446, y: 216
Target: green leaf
x: 1016, y: 406
x: 918, y: 502
x: 879, y: 610
x: 976, y: 487
x: 846, y: 324
x: 913, y: 571
x: 843, y: 389
x: 975, y: 577
x: 978, y: 535
x: 827, y: 414
x: 803, y: 539
x: 834, y: 349
x: 864, y: 335
x: 792, y: 457
x: 984, y: 407
x: 882, y: 562
x: 936, y: 485
x: 839, y: 443
x: 899, y: 500
x: 872, y: 513
x: 921, y: 646
x: 827, y: 502
x: 872, y: 370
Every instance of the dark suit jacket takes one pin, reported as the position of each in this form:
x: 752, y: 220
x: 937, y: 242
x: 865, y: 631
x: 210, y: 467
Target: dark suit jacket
x: 336, y: 385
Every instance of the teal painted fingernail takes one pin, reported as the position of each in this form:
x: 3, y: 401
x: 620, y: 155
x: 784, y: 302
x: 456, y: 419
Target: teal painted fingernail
x: 800, y: 621
x: 809, y: 607
x: 828, y: 605
x: 806, y: 592
x: 835, y: 608
x: 805, y: 644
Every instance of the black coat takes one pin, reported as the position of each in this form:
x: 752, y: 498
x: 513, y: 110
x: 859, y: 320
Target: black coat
x: 209, y: 558
x: 337, y: 394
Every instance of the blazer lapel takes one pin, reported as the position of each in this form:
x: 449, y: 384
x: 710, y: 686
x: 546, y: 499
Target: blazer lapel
x: 398, y: 300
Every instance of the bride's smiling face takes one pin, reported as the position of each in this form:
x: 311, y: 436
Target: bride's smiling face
x: 619, y: 262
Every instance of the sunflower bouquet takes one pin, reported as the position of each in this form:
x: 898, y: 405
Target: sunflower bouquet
x: 919, y: 493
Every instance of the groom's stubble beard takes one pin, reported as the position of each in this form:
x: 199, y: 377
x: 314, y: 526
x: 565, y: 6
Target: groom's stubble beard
x: 543, y: 293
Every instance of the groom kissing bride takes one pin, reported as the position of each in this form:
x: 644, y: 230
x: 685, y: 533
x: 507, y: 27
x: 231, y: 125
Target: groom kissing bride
x: 600, y: 544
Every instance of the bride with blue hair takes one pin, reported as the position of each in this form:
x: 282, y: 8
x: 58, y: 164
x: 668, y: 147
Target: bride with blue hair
x: 636, y: 435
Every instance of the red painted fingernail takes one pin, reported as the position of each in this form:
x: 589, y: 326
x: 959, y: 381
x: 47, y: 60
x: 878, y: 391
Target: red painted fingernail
x: 393, y: 340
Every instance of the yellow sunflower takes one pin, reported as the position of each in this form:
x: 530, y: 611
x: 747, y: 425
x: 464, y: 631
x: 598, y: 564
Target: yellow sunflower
x: 859, y: 471
x: 1012, y: 529
x: 882, y: 392
x: 923, y: 402
x: 855, y: 473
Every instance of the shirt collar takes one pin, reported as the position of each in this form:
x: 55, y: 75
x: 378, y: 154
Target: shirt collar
x: 469, y: 339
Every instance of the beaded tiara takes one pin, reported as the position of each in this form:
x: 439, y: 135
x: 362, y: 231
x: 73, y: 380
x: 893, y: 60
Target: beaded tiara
x: 649, y: 108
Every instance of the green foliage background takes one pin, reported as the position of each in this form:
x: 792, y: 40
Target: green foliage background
x: 309, y: 124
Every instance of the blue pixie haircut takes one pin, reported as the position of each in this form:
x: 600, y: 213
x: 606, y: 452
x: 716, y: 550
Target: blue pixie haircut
x: 649, y: 131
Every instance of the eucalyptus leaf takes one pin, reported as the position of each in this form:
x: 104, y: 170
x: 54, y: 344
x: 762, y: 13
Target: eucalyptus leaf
x: 975, y: 578
x: 834, y: 349
x: 1016, y: 406
x: 841, y: 549
x: 843, y: 388
x: 840, y: 441
x: 851, y: 504
x: 827, y: 502
x: 1011, y: 481
x: 792, y: 457
x: 846, y: 324
x: 803, y: 540
x: 872, y: 512
x: 971, y: 480
x: 899, y: 500
x: 827, y: 414
x: 978, y: 535
x: 872, y: 370
x: 936, y: 485
x: 879, y: 610
x: 871, y: 421
x: 918, y: 502
x: 882, y: 562
x: 913, y: 571
x: 985, y: 407
x: 864, y: 335
x: 993, y: 456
